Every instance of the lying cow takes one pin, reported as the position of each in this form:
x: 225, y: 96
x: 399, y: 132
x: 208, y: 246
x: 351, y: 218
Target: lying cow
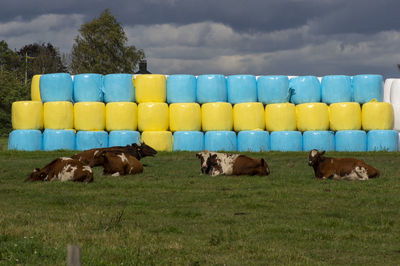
x: 119, y: 163
x: 340, y: 168
x: 94, y: 157
x: 63, y: 169
x: 214, y: 163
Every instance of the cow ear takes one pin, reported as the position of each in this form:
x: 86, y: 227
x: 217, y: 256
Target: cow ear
x: 322, y: 153
x: 263, y: 161
x: 198, y: 155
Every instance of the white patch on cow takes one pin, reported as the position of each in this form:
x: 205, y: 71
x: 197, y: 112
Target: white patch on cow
x: 362, y: 173
x: 87, y: 168
x: 313, y: 153
x: 123, y: 157
x: 331, y: 161
x: 65, y: 158
x: 226, y: 162
x: 67, y: 173
x: 95, y: 152
x: 115, y: 174
x: 358, y: 173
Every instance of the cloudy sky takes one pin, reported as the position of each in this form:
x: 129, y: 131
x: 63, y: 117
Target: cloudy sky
x: 260, y: 37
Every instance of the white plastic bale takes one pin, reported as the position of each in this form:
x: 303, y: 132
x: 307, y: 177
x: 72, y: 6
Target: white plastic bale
x: 395, y: 92
x: 386, y: 90
x: 396, y: 112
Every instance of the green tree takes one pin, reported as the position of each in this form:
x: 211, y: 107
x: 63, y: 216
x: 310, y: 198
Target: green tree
x: 9, y: 60
x: 101, y: 47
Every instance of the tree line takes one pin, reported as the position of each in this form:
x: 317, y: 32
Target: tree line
x: 100, y: 47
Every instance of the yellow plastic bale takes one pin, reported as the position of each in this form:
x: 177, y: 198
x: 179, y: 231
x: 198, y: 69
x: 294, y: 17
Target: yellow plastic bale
x: 184, y: 117
x: 153, y: 116
x: 345, y: 116
x: 248, y: 116
x: 89, y: 116
x: 150, y: 88
x: 35, y: 91
x: 159, y: 140
x: 216, y: 116
x: 377, y: 115
x: 58, y: 115
x: 121, y: 116
x: 280, y: 117
x: 312, y: 116
x: 27, y: 115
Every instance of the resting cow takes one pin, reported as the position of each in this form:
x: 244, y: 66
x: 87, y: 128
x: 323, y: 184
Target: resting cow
x: 94, y: 157
x: 119, y: 163
x: 340, y: 168
x: 214, y: 163
x: 63, y: 169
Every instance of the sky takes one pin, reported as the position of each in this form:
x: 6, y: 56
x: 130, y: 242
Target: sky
x: 258, y: 37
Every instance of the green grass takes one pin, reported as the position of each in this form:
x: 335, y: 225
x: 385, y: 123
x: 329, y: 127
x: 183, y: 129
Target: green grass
x: 170, y: 214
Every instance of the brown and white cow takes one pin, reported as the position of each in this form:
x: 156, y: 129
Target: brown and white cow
x: 120, y: 163
x: 340, y: 168
x: 63, y: 169
x: 215, y: 163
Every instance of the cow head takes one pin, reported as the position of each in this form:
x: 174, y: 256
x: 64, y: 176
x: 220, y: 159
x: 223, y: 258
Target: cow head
x: 37, y: 175
x: 145, y: 150
x: 315, y: 157
x: 203, y: 156
x: 264, y: 169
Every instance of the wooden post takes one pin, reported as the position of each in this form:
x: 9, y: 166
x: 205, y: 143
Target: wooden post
x: 73, y: 256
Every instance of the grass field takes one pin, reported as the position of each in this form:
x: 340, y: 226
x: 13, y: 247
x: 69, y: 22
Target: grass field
x: 170, y: 214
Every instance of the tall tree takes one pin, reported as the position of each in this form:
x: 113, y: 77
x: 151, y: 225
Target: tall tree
x: 101, y: 47
x: 9, y: 60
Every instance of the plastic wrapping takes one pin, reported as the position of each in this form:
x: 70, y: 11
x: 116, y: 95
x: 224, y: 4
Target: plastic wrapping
x: 35, y: 91
x: 118, y: 88
x: 86, y: 140
x: 211, y: 88
x: 386, y: 90
x: 58, y: 139
x: 25, y: 140
x: 241, y: 89
x: 153, y: 116
x: 312, y: 116
x: 377, y: 115
x: 395, y: 92
x: 280, y: 117
x: 216, y: 116
x: 396, y: 114
x: 335, y: 89
x: 286, y: 141
x: 123, y: 137
x: 181, y: 89
x: 345, y: 116
x: 58, y: 115
x: 121, y: 116
x: 320, y: 140
x: 88, y: 88
x: 382, y: 140
x: 56, y: 87
x: 253, y: 141
x: 367, y: 88
x: 273, y: 89
x: 27, y: 115
x: 220, y: 141
x: 184, y: 117
x: 248, y: 116
x: 150, y: 88
x: 158, y: 140
x: 89, y: 116
x: 188, y: 141
x: 351, y: 140
x: 304, y: 89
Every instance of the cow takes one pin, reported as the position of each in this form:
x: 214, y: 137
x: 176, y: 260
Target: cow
x: 215, y: 163
x: 120, y: 163
x: 94, y: 157
x: 63, y: 169
x: 340, y: 168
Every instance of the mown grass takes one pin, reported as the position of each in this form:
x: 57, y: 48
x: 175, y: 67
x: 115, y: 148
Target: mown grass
x: 170, y: 214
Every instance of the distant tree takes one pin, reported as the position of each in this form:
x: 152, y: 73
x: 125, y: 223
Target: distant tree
x: 9, y: 60
x: 101, y: 47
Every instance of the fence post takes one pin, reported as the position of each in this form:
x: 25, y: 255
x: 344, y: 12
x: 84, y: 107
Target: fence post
x: 73, y: 255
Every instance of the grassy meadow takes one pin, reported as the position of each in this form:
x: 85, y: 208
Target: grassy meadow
x: 172, y: 215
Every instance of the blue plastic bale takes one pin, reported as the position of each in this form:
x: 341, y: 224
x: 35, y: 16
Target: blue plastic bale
x: 320, y: 140
x: 211, y: 88
x: 273, y: 89
x: 88, y: 88
x: 56, y: 87
x: 304, y: 89
x: 367, y: 87
x: 86, y: 140
x: 181, y: 89
x: 123, y: 137
x: 351, y: 140
x: 335, y: 89
x: 25, y: 140
x: 118, y: 88
x: 286, y: 141
x: 241, y: 89
x: 220, y: 141
x: 188, y: 141
x: 253, y: 141
x: 54, y: 139
x: 382, y: 140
